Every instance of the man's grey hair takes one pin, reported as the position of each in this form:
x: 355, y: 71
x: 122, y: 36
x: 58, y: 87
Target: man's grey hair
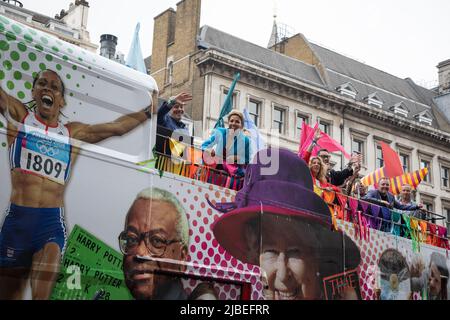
x: 163, y: 195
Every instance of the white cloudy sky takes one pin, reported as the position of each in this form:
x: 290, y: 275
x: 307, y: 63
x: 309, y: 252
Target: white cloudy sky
x: 407, y: 38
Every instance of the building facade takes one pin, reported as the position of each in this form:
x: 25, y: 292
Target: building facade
x: 69, y: 26
x: 295, y: 81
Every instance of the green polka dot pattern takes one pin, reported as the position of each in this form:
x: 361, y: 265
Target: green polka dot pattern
x: 10, y: 36
x: 22, y: 47
x: 24, y: 52
x: 32, y: 56
x: 17, y: 29
x: 28, y: 38
x: 4, y: 20
x: 15, y: 56
x: 17, y: 75
x: 4, y: 46
x: 7, y: 64
x: 25, y: 66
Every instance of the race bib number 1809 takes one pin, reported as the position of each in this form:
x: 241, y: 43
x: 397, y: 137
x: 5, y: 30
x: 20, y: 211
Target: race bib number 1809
x: 43, y: 165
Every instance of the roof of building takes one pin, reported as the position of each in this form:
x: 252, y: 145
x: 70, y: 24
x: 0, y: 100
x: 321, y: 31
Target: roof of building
x: 37, y: 17
x: 211, y: 38
x: 365, y: 79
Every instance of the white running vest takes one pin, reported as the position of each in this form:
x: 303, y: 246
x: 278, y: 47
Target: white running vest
x: 42, y: 150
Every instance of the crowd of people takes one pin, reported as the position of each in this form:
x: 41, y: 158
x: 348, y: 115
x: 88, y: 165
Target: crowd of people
x: 228, y: 150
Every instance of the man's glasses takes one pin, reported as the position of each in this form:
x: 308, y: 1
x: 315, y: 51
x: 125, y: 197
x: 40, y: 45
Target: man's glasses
x: 156, y: 245
x: 325, y: 157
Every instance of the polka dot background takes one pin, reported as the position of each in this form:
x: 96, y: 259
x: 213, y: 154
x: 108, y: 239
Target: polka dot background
x: 207, y: 258
x: 24, y: 52
x: 372, y: 249
x: 97, y: 89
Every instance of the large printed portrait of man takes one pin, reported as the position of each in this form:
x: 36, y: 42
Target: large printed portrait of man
x: 155, y: 244
x: 278, y: 223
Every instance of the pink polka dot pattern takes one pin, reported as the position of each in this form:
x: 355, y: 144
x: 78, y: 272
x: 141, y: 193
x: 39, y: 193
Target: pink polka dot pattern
x: 372, y: 250
x: 225, y: 292
x: 206, y: 258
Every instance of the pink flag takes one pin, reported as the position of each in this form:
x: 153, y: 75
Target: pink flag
x: 306, y: 138
x: 324, y: 142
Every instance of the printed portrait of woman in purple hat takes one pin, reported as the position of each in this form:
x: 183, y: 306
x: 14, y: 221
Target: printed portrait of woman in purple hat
x: 278, y: 223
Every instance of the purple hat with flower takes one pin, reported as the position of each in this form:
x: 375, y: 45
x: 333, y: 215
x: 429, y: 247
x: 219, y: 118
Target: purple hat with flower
x: 287, y: 194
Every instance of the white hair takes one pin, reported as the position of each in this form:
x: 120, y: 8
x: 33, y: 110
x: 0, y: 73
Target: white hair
x: 182, y: 225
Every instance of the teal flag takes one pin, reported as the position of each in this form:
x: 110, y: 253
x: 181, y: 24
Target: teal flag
x: 228, y: 103
x: 134, y: 58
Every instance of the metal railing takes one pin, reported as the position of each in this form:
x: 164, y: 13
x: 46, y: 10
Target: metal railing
x: 400, y: 227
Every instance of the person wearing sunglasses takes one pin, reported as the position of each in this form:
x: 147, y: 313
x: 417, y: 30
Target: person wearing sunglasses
x: 155, y: 246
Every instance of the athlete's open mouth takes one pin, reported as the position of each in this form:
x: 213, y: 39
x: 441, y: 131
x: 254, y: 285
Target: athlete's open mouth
x: 47, y: 101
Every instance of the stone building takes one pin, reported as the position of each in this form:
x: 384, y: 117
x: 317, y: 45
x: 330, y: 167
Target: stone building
x: 70, y: 25
x: 294, y: 81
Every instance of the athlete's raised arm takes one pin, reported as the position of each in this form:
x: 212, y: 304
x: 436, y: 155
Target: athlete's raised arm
x: 14, y: 107
x: 98, y: 132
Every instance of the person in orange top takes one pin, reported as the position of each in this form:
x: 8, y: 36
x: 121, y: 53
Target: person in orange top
x: 318, y: 172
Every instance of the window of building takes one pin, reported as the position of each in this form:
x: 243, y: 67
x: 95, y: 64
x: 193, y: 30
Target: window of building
x: 404, y: 160
x: 169, y: 77
x: 379, y: 157
x: 325, y: 127
x: 425, y: 118
x: 400, y: 109
x: 374, y: 100
x: 224, y: 96
x: 254, y: 109
x: 426, y: 164
x: 347, y: 89
x: 445, y: 177
x: 446, y: 214
x: 279, y: 119
x: 428, y: 205
x: 300, y: 119
x: 358, y: 146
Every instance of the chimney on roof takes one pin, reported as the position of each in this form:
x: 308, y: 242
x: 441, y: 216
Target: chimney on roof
x: 108, y: 44
x: 444, y: 77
